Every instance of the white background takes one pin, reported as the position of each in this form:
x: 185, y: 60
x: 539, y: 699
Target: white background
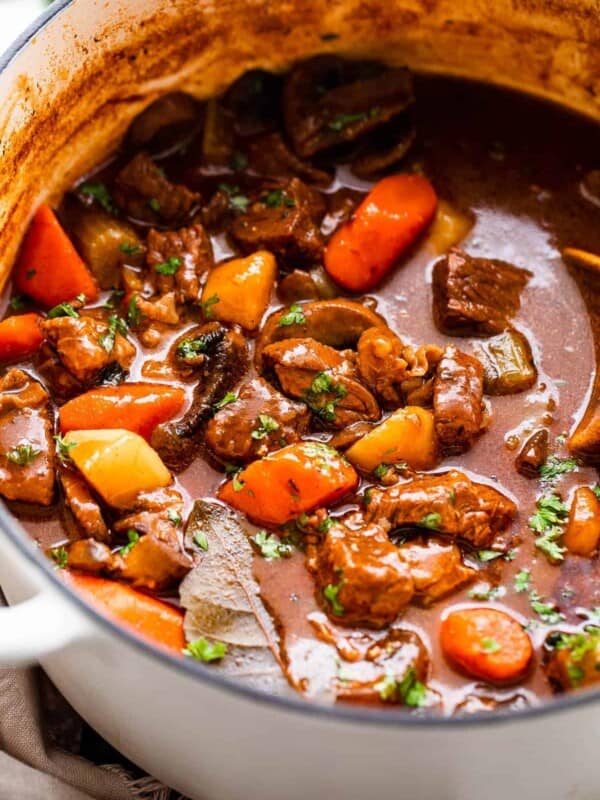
x: 15, y: 15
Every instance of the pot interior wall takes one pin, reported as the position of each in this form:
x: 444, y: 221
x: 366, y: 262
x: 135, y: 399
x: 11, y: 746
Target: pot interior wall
x: 71, y: 91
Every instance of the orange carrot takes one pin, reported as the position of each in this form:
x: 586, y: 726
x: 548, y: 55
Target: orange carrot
x: 20, y: 337
x: 386, y: 223
x: 287, y: 483
x: 582, y: 533
x: 486, y: 643
x: 49, y: 269
x: 135, y: 407
x: 152, y: 619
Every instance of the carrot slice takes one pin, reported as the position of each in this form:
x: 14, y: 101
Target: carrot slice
x: 49, y: 269
x: 290, y: 482
x: 135, y: 407
x: 486, y: 643
x: 152, y: 619
x: 386, y: 223
x: 20, y: 337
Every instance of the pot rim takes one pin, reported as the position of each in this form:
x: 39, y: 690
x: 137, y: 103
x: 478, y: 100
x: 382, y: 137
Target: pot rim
x: 10, y: 526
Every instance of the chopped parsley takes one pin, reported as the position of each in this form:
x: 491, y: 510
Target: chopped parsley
x: 547, y: 521
x: 555, y: 467
x: 130, y: 249
x: 270, y: 546
x: 201, y: 541
x: 23, y: 454
x: 276, y: 198
x: 238, y: 202
x: 579, y: 645
x: 330, y: 593
x: 596, y: 490
x: 63, y: 310
x: 294, y: 316
x: 133, y: 538
x: 154, y: 204
x: 134, y: 315
x: 382, y: 469
x: 522, y: 580
x: 99, y: 193
x: 323, y: 396
x: 546, y: 611
x: 203, y: 650
x: 115, y: 325
x: 343, y: 120
x: 488, y: 555
x: 207, y: 306
x: 489, y: 645
x: 483, y: 591
x: 266, y: 426
x: 63, y: 449
x: 325, y: 525
x: 230, y: 397
x: 169, y: 267
x: 409, y: 690
x: 431, y: 521
x: 60, y: 556
x: 367, y: 497
x: 174, y: 517
x: 190, y: 348
x: 237, y: 484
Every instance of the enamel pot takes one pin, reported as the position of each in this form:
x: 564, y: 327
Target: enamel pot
x: 68, y: 88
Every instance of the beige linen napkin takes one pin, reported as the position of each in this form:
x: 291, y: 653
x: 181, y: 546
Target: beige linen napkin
x: 40, y: 749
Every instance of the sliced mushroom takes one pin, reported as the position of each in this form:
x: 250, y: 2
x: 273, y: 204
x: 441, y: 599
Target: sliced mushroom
x: 337, y: 323
x: 220, y: 358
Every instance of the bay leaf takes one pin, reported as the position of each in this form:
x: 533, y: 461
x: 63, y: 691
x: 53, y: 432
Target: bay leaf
x: 222, y: 602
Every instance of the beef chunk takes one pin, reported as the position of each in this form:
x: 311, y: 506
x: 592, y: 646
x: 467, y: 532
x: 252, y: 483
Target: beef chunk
x: 269, y: 155
x: 436, y: 568
x: 390, y: 368
x: 475, y: 296
x: 83, y: 506
x: 86, y: 345
x: 261, y: 420
x: 533, y: 454
x: 361, y: 575
x: 324, y: 378
x: 88, y: 555
x: 450, y: 503
x: 157, y: 560
x: 285, y: 221
x: 458, y: 400
x: 188, y: 251
x: 298, y: 285
x: 143, y: 192
x: 328, y: 101
x: 26, y: 446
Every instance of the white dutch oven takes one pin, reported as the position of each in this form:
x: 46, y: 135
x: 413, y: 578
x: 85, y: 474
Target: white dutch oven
x: 69, y: 88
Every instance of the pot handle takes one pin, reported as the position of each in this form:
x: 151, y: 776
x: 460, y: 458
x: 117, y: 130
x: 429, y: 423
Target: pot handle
x: 37, y: 627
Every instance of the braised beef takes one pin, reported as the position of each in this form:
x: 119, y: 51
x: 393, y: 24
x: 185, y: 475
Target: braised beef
x: 328, y: 101
x: 179, y: 260
x: 458, y: 400
x: 269, y: 155
x: 144, y: 193
x: 449, y: 503
x: 392, y: 369
x: 324, y: 378
x: 436, y: 568
x: 27, y: 460
x: 284, y: 220
x: 165, y: 125
x: 83, y: 506
x: 259, y: 421
x: 361, y: 576
x: 90, y: 555
x: 298, y: 285
x: 86, y: 345
x: 475, y: 296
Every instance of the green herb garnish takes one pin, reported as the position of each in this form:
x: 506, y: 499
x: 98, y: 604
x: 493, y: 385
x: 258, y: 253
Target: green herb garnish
x: 343, y: 120
x: 207, y: 306
x: 130, y: 249
x: 169, y: 267
x: 555, y: 467
x: 270, y: 546
x: 23, y: 455
x: 63, y: 449
x: 266, y: 426
x: 409, y: 690
x: 134, y: 315
x: 60, y: 556
x: 203, y: 650
x: 431, y: 521
x: 174, y: 517
x: 330, y: 593
x: 490, y: 645
x: 230, y: 397
x: 115, y: 325
x: 522, y: 580
x: 276, y: 198
x: 133, y: 538
x: 294, y: 316
x: 323, y: 396
x: 63, y: 310
x: 201, y: 541
x: 99, y: 193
